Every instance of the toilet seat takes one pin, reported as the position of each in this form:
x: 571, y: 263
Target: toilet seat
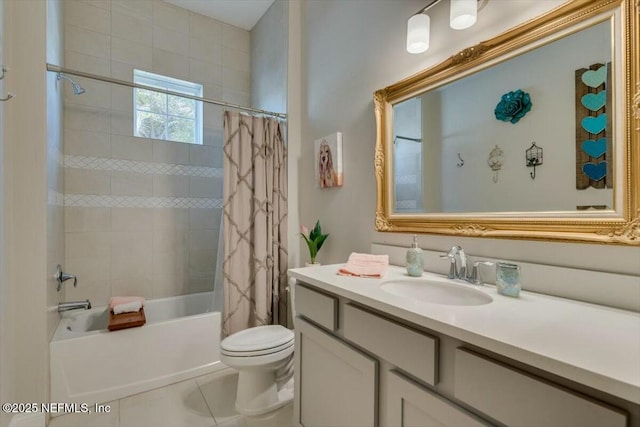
x: 257, y: 341
x: 254, y: 353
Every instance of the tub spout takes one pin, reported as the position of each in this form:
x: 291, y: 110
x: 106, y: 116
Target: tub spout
x: 73, y: 305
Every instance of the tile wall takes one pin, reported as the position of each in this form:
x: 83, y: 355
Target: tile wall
x: 142, y: 216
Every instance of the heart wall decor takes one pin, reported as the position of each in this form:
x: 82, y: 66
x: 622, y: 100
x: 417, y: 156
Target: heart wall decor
x: 595, y: 125
x: 594, y: 101
x: 595, y: 171
x: 592, y: 144
x: 595, y: 78
x: 595, y: 148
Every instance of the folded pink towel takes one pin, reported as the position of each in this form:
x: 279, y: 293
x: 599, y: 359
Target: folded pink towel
x: 365, y: 265
x: 115, y: 301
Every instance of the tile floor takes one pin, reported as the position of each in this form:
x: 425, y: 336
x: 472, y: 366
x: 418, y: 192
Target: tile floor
x: 206, y: 401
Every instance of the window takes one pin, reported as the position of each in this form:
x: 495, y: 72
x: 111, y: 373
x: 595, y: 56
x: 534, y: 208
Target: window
x: 161, y: 116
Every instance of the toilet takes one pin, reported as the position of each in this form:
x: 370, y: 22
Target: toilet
x: 263, y: 357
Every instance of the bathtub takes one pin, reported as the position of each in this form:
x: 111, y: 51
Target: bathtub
x: 89, y: 364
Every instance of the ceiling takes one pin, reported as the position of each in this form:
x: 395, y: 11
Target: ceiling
x: 240, y: 13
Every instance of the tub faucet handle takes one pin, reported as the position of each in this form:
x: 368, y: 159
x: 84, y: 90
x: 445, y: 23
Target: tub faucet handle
x: 61, y: 277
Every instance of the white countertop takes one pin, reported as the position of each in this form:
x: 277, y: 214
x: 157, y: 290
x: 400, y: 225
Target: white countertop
x: 593, y: 345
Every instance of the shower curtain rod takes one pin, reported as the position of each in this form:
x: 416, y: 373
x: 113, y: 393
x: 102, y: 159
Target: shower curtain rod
x: 58, y: 69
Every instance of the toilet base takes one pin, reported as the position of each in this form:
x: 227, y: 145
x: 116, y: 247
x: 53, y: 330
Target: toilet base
x: 258, y: 394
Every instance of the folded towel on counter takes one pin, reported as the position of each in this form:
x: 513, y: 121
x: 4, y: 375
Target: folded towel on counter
x: 127, y: 307
x: 114, y: 301
x: 365, y: 265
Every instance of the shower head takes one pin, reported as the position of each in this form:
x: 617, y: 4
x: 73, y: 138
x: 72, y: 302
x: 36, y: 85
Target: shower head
x: 77, y: 89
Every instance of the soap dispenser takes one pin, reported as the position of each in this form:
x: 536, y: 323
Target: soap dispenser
x: 415, y: 260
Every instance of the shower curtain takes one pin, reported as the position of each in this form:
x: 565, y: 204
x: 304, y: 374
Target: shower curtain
x: 255, y: 223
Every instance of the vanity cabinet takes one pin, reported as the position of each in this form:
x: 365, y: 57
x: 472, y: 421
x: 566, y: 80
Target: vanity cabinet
x: 337, y: 384
x: 356, y: 366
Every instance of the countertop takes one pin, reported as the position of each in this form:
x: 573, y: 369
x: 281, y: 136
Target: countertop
x: 593, y: 345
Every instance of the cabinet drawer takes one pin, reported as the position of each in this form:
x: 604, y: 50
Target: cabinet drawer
x: 515, y: 398
x: 409, y: 350
x: 320, y: 308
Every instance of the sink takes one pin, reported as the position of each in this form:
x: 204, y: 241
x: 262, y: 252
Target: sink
x: 436, y: 292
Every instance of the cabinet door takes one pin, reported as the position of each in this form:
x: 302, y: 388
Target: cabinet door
x: 410, y: 405
x: 336, y: 385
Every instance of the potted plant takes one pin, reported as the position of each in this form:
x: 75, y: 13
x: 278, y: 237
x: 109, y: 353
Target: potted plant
x: 315, y: 239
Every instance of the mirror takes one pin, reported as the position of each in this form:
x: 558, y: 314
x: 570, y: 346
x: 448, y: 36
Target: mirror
x: 532, y: 134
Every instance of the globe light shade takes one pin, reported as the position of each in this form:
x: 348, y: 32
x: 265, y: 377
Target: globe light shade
x: 463, y: 14
x: 418, y: 33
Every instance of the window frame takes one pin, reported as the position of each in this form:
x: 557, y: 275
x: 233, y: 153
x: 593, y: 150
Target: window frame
x: 172, y: 84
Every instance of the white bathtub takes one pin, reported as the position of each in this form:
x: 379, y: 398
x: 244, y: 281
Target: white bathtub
x: 89, y: 364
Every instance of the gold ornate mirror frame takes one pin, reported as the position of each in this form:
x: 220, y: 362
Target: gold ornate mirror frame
x: 623, y: 227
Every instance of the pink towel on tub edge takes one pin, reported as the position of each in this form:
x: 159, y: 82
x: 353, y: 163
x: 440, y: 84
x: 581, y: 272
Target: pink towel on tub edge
x: 115, y: 301
x: 365, y: 265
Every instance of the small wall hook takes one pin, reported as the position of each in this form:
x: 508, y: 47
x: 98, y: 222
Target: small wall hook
x: 533, y: 157
x: 495, y: 162
x: 9, y: 96
x: 461, y: 163
x: 4, y: 70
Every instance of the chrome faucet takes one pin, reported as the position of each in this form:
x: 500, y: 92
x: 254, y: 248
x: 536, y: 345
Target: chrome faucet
x: 457, y: 256
x: 73, y: 305
x: 62, y: 277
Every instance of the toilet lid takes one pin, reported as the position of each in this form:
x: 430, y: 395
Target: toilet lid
x: 258, y: 338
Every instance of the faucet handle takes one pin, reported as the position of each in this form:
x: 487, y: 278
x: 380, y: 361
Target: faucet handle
x: 61, y: 277
x: 453, y: 271
x: 462, y: 273
x: 476, y: 273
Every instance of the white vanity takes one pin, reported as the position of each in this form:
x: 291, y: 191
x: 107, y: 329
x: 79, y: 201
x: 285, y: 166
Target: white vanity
x: 368, y: 355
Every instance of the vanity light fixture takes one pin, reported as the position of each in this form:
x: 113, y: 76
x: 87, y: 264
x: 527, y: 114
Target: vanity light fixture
x: 463, y: 14
x: 418, y: 28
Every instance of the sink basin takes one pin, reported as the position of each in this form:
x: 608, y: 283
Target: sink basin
x: 436, y: 292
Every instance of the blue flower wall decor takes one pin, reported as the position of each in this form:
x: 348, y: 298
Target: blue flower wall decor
x: 513, y: 106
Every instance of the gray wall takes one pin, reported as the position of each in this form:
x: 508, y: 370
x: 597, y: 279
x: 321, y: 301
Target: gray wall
x: 269, y: 59
x: 349, y: 50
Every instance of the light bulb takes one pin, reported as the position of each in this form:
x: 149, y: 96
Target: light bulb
x: 418, y: 33
x: 463, y: 14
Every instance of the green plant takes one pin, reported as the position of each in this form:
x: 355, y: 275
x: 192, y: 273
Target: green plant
x: 314, y: 238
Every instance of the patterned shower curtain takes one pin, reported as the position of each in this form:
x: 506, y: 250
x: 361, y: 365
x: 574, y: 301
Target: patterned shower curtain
x: 255, y: 223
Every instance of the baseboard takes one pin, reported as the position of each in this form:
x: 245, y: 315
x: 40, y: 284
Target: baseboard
x: 28, y: 420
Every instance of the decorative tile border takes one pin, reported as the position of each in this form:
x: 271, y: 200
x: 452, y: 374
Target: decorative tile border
x: 99, y: 163
x: 94, y: 201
